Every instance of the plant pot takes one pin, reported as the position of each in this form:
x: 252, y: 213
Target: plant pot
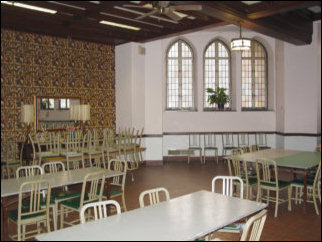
x: 221, y: 106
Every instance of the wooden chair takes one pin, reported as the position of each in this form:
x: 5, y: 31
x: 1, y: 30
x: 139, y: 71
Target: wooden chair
x: 246, y: 149
x: 239, y: 168
x: 92, y: 149
x: 253, y: 228
x: 100, y: 209
x: 36, y: 171
x: 228, y: 183
x: 153, y: 195
x: 44, y: 145
x: 267, y: 180
x: 243, y: 140
x: 59, y: 195
x: 313, y: 189
x: 236, y: 151
x: 73, y: 151
x: 32, y: 209
x: 10, y: 159
x: 194, y: 144
x: 210, y: 144
x: 118, y: 182
x: 29, y: 171
x: 228, y: 142
x: 261, y: 141
x: 93, y: 193
x: 138, y: 144
x: 254, y: 148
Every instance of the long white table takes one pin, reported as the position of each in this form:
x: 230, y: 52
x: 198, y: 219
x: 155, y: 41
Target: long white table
x: 10, y: 187
x: 187, y: 217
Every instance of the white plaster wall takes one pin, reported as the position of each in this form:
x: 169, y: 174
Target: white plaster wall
x: 153, y: 87
x: 123, y: 85
x: 301, y: 75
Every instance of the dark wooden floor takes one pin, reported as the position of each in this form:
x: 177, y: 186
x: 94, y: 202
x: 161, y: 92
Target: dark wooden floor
x: 180, y: 178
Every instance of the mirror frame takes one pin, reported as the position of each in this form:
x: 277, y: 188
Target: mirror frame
x: 37, y: 108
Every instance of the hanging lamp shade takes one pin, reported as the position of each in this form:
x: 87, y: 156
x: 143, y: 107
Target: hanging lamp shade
x: 240, y: 43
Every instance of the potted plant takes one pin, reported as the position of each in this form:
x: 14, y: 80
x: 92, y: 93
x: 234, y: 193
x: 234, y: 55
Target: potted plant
x: 218, y: 96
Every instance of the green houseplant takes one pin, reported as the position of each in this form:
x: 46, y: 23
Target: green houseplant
x: 218, y: 96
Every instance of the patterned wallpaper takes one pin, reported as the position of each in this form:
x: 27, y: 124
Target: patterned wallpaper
x: 41, y: 65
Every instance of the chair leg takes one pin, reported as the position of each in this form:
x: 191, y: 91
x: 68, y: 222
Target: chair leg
x: 200, y: 151
x: 276, y: 204
x: 61, y: 216
x: 123, y: 200
x: 19, y: 232
x: 55, y: 211
x: 258, y: 197
x: 217, y: 155
x: 315, y: 202
x: 289, y: 194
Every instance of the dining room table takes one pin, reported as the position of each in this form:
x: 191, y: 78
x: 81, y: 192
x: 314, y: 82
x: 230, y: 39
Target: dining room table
x: 10, y: 187
x: 187, y: 217
x: 295, y: 161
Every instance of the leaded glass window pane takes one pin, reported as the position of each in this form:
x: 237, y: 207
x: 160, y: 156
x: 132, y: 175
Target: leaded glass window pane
x: 216, y: 70
x: 180, y: 76
x: 254, y: 78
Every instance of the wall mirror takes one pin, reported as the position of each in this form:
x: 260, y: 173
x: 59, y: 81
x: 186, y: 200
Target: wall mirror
x: 53, y: 112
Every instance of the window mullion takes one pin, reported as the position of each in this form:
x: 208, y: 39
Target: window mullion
x: 253, y: 75
x: 180, y: 75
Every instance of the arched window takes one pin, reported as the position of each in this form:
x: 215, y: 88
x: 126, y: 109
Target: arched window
x: 180, y: 76
x: 216, y: 70
x: 254, y: 77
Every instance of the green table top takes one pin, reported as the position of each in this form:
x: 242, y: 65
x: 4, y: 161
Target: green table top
x: 302, y: 160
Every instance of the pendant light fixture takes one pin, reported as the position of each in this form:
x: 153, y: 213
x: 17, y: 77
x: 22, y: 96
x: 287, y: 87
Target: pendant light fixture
x: 240, y: 43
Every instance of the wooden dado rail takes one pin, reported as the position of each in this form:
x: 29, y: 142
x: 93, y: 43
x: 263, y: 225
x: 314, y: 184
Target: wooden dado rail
x: 233, y: 132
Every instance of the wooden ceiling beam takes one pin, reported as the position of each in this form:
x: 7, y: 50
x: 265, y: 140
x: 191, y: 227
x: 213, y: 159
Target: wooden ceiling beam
x: 269, y: 8
x: 286, y: 32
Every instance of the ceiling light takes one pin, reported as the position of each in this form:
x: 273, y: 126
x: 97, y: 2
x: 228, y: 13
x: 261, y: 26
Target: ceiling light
x: 120, y: 25
x: 27, y: 6
x: 240, y: 43
x: 68, y: 5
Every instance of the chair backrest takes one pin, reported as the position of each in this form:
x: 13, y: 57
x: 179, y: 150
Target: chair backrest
x: 210, y: 140
x: 29, y: 171
x: 118, y: 165
x: 254, y: 226
x: 246, y: 149
x: 227, y: 139
x: 154, y: 196
x: 228, y: 185
x: 33, y: 145
x: 237, y: 151
x: 243, y: 140
x: 100, y: 209
x: 194, y: 140
x: 96, y: 182
x: 53, y: 167
x: 267, y: 171
x: 261, y: 139
x: 33, y: 204
x: 254, y: 148
x: 74, y: 140
x: 10, y: 154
